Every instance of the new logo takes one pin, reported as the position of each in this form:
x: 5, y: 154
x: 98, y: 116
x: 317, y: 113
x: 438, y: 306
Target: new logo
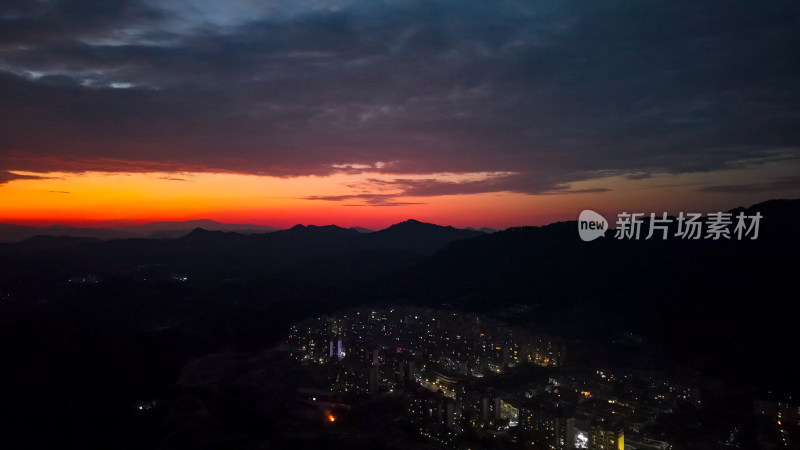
x: 591, y: 225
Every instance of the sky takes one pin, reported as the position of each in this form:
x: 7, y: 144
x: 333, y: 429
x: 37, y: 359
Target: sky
x: 370, y: 112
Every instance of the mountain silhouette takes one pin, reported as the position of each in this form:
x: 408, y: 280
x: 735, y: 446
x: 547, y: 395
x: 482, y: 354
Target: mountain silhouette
x: 713, y: 301
x: 156, y: 230
x: 101, y: 325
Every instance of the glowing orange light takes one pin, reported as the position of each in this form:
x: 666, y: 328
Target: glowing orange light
x: 331, y: 417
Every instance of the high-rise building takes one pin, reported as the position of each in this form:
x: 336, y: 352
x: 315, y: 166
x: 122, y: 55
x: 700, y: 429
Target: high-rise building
x: 433, y: 413
x: 336, y: 348
x: 602, y: 438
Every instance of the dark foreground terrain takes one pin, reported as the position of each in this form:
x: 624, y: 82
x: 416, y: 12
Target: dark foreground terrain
x: 144, y: 343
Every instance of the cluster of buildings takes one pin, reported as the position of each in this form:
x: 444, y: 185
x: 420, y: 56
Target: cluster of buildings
x: 460, y: 375
x: 596, y: 409
x: 777, y: 424
x: 464, y: 343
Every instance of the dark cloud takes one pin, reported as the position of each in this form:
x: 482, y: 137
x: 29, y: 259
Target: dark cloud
x: 385, y: 203
x: 774, y: 185
x: 6, y: 176
x: 379, y: 192
x: 28, y: 22
x: 367, y: 199
x: 556, y: 92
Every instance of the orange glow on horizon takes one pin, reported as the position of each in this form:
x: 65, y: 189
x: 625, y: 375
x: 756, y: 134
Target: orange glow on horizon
x: 108, y: 199
x: 113, y: 199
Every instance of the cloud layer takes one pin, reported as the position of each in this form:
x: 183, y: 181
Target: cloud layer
x: 548, y: 92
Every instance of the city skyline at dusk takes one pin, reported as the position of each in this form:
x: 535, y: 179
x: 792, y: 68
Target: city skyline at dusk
x: 399, y: 224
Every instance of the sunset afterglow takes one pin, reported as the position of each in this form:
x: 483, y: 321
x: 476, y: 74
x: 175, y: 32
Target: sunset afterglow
x: 362, y: 114
x: 366, y: 199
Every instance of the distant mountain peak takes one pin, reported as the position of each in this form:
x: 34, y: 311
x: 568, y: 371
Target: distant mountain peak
x: 421, y: 237
x: 202, y: 233
x: 199, y: 231
x: 197, y: 222
x: 486, y: 230
x: 320, y: 230
x: 413, y: 223
x: 362, y: 230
